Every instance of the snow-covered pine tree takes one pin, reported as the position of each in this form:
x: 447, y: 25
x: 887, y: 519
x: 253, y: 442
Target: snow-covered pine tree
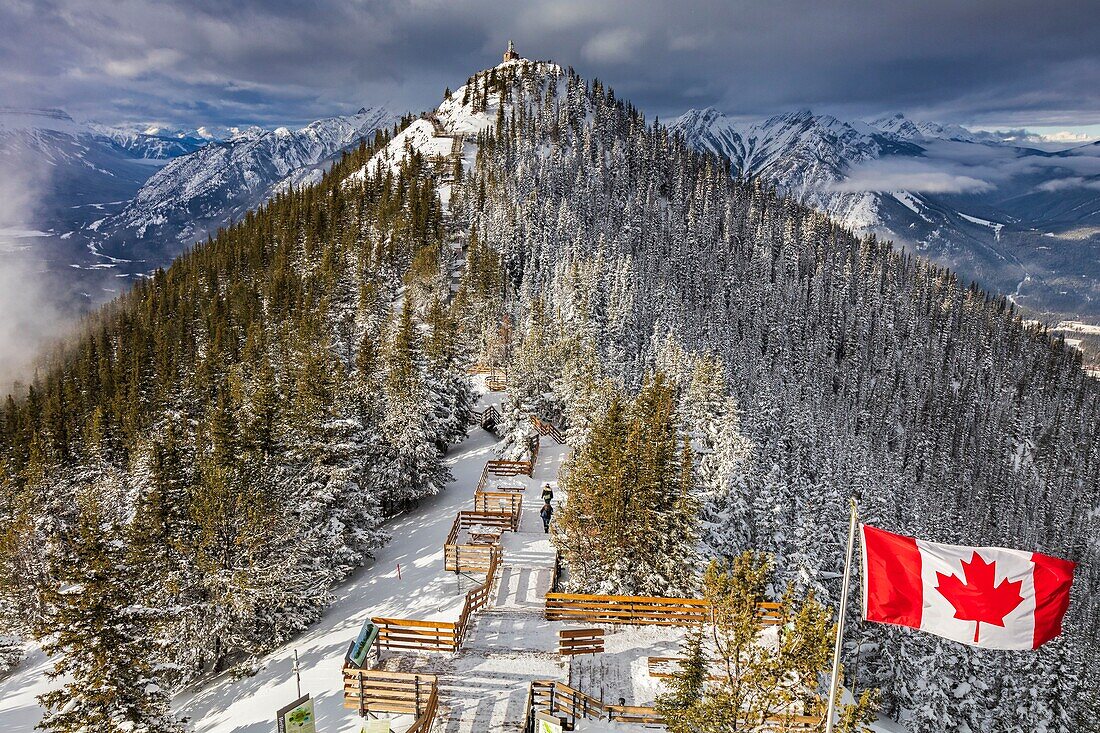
x: 411, y: 426
x: 98, y: 633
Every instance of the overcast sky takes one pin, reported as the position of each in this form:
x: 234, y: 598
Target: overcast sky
x: 984, y: 63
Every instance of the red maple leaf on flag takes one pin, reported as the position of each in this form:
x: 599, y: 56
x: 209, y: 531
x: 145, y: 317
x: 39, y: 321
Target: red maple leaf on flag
x: 978, y: 599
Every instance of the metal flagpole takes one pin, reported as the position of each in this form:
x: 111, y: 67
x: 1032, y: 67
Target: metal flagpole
x: 835, y: 682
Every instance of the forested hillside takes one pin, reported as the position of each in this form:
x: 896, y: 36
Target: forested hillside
x: 237, y: 426
x: 855, y: 371
x: 223, y: 442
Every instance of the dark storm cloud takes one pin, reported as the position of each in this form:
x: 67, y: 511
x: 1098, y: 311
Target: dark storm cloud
x: 201, y: 61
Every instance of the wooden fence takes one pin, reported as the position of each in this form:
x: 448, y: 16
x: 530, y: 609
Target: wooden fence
x: 512, y: 468
x: 378, y: 691
x: 554, y: 697
x: 476, y: 598
x: 439, y: 636
x: 668, y: 667
x: 559, y: 699
x: 467, y: 558
x: 424, y: 723
x: 483, y: 482
x: 507, y: 501
x: 487, y: 418
x: 472, y: 555
x: 509, y: 468
x: 572, y: 642
x: 636, y: 714
x: 545, y: 428
x: 407, y: 633
x: 626, y: 609
x: 642, y: 610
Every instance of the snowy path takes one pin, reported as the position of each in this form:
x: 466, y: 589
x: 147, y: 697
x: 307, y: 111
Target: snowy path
x: 511, y: 644
x: 230, y: 705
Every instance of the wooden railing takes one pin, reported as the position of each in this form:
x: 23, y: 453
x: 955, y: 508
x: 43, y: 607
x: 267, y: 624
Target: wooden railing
x: 488, y: 417
x: 476, y: 598
x: 483, y: 484
x: 626, y: 609
x: 407, y: 633
x: 472, y: 555
x: 642, y: 610
x: 424, y: 723
x: 439, y: 636
x: 510, y: 502
x: 663, y: 668
x: 509, y: 468
x: 572, y: 642
x: 637, y: 714
x: 467, y: 558
x: 557, y: 698
x: 545, y: 428
x: 379, y: 691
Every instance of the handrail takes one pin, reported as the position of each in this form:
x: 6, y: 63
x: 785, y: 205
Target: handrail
x: 646, y: 610
x: 549, y: 429
x: 424, y: 723
x: 556, y: 697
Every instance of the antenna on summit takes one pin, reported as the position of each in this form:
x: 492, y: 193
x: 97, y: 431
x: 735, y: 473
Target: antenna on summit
x: 510, y: 54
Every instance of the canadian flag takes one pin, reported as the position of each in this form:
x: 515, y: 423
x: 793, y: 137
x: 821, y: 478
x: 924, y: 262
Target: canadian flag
x: 984, y: 596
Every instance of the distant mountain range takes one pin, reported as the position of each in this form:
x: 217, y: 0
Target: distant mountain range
x: 104, y: 203
x: 1019, y: 219
x: 194, y: 195
x: 999, y: 208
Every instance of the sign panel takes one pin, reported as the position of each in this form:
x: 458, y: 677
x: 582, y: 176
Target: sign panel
x: 548, y: 723
x: 298, y: 717
x: 376, y: 725
x: 357, y: 653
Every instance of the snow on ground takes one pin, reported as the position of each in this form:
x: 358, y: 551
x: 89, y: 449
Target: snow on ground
x: 1078, y: 327
x: 454, y: 118
x: 419, y: 136
x: 622, y: 670
x: 424, y: 591
x: 995, y: 226
x: 484, y: 687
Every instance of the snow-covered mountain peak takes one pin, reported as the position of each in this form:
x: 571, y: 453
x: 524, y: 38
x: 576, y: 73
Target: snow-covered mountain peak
x: 472, y: 108
x: 20, y: 118
x: 904, y: 128
x: 198, y: 193
x: 241, y: 134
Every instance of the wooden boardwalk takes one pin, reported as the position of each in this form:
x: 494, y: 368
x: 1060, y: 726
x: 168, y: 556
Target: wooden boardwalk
x: 484, y: 690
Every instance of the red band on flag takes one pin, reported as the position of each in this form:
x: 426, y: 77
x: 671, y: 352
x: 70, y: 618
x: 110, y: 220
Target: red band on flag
x: 892, y: 588
x: 1053, y: 577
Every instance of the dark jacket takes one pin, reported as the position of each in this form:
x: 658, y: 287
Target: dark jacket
x: 546, y: 512
x: 547, y: 493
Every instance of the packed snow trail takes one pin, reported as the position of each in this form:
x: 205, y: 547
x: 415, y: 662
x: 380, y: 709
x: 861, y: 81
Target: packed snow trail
x: 484, y: 688
x: 229, y: 704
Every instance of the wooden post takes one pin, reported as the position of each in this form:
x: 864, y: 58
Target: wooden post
x: 416, y: 695
x: 362, y: 697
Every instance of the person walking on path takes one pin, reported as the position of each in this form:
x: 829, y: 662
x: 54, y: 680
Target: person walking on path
x: 546, y: 513
x: 547, y: 493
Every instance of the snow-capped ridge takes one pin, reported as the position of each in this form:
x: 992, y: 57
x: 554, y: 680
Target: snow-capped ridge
x: 468, y: 110
x: 198, y: 193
